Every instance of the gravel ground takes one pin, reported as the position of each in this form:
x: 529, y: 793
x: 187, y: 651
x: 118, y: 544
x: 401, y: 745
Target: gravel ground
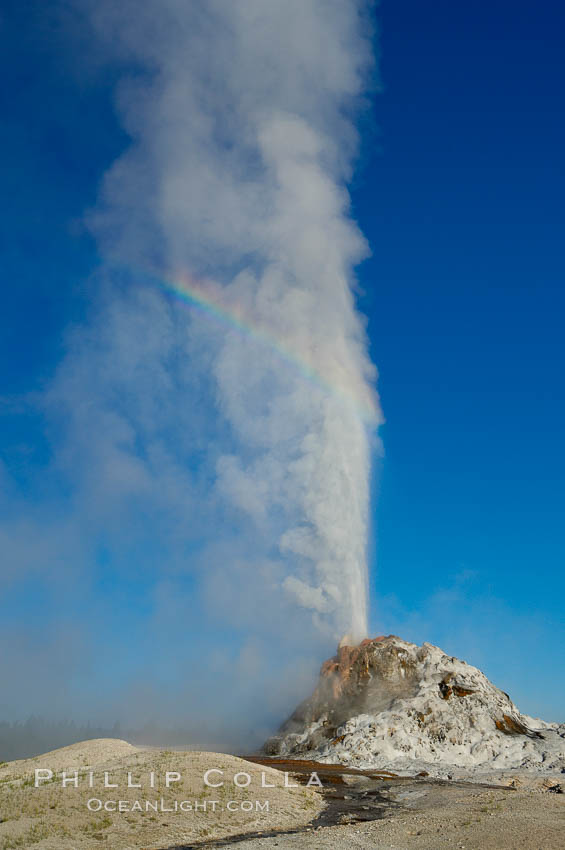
x: 443, y: 817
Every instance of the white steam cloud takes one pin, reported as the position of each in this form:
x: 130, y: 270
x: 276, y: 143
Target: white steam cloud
x: 241, y: 146
x: 199, y: 521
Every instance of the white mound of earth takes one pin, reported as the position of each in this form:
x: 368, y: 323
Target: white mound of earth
x: 100, y: 808
x: 391, y: 704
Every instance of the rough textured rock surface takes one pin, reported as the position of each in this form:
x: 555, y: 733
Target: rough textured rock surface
x: 390, y: 703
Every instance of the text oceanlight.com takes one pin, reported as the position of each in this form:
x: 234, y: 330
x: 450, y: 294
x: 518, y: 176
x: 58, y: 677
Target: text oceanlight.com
x: 172, y: 806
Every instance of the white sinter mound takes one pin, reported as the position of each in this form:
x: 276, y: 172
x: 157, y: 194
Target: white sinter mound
x: 392, y: 704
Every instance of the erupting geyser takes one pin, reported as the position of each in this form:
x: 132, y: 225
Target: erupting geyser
x: 237, y: 179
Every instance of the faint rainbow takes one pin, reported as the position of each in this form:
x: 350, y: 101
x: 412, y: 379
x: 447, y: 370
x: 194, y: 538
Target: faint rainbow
x: 203, y: 299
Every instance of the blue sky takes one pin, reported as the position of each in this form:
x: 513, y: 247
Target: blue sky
x: 459, y: 192
x: 463, y: 206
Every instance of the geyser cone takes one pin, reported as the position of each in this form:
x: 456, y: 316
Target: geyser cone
x: 386, y: 702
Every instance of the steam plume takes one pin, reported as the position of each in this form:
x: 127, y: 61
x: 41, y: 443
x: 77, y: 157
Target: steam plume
x: 241, y: 147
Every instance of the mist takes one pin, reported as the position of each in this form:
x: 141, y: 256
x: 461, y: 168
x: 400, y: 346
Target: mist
x: 201, y: 526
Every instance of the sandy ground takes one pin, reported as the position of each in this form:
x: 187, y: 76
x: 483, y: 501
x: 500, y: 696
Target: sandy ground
x: 51, y: 817
x: 352, y: 809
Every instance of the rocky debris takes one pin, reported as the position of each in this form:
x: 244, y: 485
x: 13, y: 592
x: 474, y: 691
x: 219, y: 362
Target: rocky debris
x: 390, y: 703
x: 511, y: 726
